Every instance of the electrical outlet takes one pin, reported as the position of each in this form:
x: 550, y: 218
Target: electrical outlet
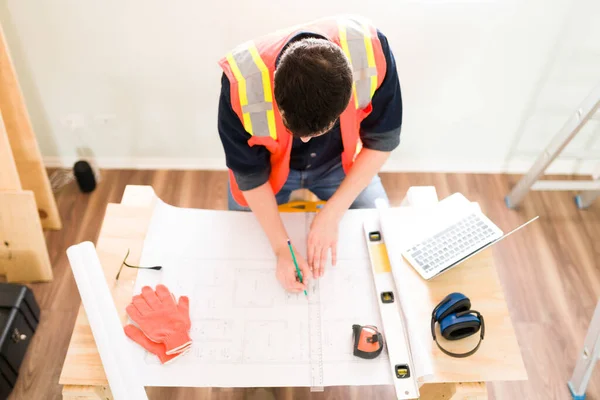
x: 73, y: 121
x: 104, y: 119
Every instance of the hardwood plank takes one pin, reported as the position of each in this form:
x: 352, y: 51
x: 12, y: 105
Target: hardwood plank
x: 23, y: 142
x: 23, y: 253
x: 550, y: 273
x: 86, y: 393
x: 9, y: 177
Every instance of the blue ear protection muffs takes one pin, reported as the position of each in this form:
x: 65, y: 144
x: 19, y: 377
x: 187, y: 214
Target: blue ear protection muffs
x: 457, y: 321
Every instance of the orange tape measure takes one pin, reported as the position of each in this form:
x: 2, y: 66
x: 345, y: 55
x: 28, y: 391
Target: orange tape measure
x: 368, y: 341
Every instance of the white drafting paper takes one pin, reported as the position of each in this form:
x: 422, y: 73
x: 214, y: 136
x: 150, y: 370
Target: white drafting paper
x: 247, y: 331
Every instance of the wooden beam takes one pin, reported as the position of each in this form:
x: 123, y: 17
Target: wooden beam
x: 470, y: 391
x: 76, y: 392
x: 23, y: 252
x: 454, y: 391
x: 23, y: 142
x: 9, y: 177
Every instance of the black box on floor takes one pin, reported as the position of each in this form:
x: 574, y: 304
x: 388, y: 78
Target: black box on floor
x: 19, y: 318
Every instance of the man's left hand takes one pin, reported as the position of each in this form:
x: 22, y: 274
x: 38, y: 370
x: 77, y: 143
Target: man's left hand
x: 323, y: 237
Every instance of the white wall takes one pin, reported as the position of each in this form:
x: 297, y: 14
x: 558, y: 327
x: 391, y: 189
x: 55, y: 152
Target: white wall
x: 138, y: 82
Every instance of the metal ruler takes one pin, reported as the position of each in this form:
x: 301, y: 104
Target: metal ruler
x: 315, y: 330
x: 392, y: 318
x: 315, y: 337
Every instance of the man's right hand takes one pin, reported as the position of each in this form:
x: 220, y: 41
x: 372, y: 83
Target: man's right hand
x: 286, y: 270
x: 263, y: 204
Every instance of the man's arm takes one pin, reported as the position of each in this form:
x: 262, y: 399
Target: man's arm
x: 251, y: 167
x: 380, y: 134
x: 261, y: 201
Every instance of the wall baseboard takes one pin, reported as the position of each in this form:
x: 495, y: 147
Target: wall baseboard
x: 144, y: 163
x: 516, y: 166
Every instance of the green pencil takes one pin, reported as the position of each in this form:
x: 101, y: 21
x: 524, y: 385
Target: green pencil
x: 296, y: 263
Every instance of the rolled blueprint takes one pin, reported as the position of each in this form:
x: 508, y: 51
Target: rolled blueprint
x: 102, y: 314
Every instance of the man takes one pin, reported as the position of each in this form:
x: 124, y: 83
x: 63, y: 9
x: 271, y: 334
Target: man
x: 316, y: 106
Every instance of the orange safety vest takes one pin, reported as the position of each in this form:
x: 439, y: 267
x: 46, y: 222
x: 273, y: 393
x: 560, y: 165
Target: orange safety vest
x: 250, y: 68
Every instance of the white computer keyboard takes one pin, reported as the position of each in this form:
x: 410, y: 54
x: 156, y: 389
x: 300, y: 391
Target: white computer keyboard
x: 445, y: 248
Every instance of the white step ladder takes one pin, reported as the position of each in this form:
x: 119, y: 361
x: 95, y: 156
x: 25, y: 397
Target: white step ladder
x: 590, y: 190
x: 587, y: 358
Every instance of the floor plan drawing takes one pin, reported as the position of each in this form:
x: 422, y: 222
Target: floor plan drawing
x: 212, y: 330
x: 252, y: 288
x: 246, y: 329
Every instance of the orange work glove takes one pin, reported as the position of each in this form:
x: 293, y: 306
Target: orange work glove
x: 158, y: 349
x: 161, y: 319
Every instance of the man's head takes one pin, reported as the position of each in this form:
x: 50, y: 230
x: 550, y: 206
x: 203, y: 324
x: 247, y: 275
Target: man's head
x: 313, y: 86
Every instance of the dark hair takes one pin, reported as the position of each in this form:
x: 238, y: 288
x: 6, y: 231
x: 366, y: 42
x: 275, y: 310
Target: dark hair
x: 313, y: 85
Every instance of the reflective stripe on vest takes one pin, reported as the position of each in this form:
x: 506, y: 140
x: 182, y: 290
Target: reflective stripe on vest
x: 254, y: 88
x: 355, y: 39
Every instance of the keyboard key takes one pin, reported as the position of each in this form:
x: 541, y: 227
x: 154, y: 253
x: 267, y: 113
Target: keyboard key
x: 416, y: 253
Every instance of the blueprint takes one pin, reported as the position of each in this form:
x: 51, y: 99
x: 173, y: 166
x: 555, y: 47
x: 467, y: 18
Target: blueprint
x: 247, y: 331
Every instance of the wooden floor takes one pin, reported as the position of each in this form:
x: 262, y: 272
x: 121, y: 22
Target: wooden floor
x: 550, y: 271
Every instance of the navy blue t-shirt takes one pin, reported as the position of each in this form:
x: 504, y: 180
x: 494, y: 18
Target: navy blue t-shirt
x: 380, y: 130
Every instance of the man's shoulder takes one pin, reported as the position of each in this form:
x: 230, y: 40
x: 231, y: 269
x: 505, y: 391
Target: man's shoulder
x: 384, y: 41
x: 224, y: 81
